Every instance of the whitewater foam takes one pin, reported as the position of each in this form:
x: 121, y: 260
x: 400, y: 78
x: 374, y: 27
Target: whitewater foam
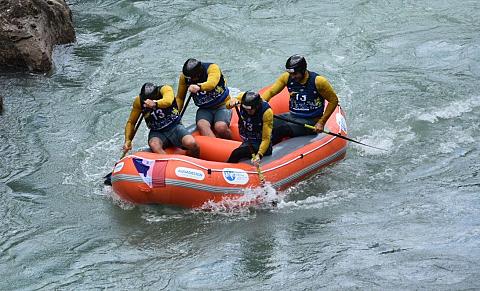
x: 317, y: 202
x: 452, y: 110
x: 265, y: 197
x: 380, y: 138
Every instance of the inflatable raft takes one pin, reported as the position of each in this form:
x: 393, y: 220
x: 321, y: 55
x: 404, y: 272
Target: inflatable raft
x: 180, y: 180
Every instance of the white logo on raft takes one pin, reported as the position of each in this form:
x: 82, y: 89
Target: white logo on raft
x: 235, y: 176
x: 118, y: 167
x: 341, y: 122
x: 189, y: 173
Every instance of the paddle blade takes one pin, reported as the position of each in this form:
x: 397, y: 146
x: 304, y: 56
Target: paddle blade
x: 108, y: 179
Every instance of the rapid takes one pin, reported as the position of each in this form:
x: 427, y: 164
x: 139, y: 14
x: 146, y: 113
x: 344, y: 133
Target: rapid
x: 408, y: 77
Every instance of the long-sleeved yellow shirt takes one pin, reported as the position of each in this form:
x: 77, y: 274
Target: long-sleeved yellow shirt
x: 267, y: 127
x: 323, y: 87
x: 210, y: 84
x: 166, y: 92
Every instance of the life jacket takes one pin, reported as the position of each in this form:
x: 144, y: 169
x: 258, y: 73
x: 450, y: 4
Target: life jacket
x: 252, y: 127
x: 161, y: 118
x: 305, y: 101
x: 208, y: 99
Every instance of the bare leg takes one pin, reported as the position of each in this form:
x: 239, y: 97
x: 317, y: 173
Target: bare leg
x: 156, y: 145
x: 222, y: 130
x: 205, y: 128
x: 189, y: 142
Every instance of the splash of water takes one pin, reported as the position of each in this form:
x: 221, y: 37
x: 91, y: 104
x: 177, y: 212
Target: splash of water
x: 265, y: 197
x: 109, y: 193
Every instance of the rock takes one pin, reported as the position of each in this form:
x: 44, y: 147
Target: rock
x: 29, y: 29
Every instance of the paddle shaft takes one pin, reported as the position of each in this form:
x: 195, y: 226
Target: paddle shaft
x: 250, y: 147
x: 184, y: 108
x: 139, y: 122
x: 325, y: 131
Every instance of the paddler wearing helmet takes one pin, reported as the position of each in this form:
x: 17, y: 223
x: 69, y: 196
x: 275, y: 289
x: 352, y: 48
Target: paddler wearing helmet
x: 308, y: 92
x: 255, y: 125
x: 209, y: 91
x: 160, y: 110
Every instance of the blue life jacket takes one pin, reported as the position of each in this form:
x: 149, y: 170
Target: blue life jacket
x: 161, y: 118
x: 305, y: 101
x: 208, y: 99
x: 251, y: 130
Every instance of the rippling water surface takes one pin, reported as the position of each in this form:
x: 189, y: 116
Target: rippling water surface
x: 407, y: 74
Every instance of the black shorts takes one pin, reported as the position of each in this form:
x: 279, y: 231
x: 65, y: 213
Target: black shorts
x: 214, y: 115
x: 171, y: 136
x: 282, y: 128
x: 244, y: 152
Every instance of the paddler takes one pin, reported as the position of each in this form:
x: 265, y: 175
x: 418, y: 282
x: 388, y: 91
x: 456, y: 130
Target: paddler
x: 255, y: 124
x: 308, y: 92
x: 209, y: 91
x: 161, y: 113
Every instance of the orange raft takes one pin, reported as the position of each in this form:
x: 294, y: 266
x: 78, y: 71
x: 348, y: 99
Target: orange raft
x: 177, y: 179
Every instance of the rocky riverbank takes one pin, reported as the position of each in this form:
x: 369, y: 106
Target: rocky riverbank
x: 29, y: 29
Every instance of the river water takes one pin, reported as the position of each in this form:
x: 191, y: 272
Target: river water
x: 407, y: 74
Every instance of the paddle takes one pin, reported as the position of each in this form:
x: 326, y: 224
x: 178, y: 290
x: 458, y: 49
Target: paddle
x: 250, y: 147
x: 325, y: 131
x: 185, y: 105
x: 108, y: 177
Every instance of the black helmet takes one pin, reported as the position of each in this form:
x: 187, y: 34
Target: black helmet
x: 193, y: 69
x: 148, y: 91
x: 251, y: 100
x: 296, y: 63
